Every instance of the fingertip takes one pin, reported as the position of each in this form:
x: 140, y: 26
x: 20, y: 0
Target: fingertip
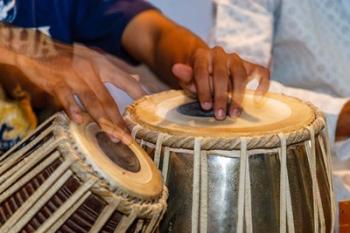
x: 207, y: 105
x: 77, y: 118
x: 126, y: 139
x: 76, y: 115
x: 116, y: 132
x: 113, y: 138
x: 235, y: 112
x: 220, y: 114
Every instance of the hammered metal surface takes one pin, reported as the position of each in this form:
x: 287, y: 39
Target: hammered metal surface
x: 223, y: 181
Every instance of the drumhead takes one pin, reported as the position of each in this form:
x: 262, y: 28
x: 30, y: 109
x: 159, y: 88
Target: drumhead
x: 174, y: 113
x: 126, y: 168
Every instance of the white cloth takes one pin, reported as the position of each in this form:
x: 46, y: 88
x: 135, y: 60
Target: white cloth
x: 307, y: 44
x: 308, y: 40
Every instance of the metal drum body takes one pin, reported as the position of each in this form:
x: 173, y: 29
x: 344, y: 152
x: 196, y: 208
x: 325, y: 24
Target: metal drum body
x: 259, y: 182
x: 59, y: 180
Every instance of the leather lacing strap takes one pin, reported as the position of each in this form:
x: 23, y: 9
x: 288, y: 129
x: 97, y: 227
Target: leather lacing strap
x: 318, y: 214
x: 286, y: 210
x: 243, y: 148
x: 244, y: 192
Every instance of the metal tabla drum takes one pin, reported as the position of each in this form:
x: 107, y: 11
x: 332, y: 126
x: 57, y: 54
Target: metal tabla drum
x: 70, y: 178
x: 266, y: 171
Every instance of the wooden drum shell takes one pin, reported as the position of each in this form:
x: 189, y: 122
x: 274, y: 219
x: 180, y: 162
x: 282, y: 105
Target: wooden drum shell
x: 46, y: 186
x: 227, y: 178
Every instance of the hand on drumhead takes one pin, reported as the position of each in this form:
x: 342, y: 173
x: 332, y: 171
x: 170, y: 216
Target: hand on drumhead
x: 114, y: 132
x: 76, y: 73
x: 219, y: 80
x: 61, y: 79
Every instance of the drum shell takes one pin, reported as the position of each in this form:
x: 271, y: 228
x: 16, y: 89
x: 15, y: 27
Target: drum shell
x: 223, y: 187
x: 49, y: 153
x: 267, y: 171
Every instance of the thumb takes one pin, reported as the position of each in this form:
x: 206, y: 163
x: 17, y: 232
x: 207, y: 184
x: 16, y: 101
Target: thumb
x: 182, y: 72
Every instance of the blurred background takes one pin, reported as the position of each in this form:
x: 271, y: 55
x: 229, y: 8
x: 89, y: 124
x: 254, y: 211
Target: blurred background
x: 195, y: 14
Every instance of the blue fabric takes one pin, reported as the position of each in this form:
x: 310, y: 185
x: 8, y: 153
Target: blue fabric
x: 96, y: 23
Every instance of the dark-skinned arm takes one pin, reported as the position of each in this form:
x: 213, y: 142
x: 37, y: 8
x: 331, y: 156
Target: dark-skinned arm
x: 174, y: 52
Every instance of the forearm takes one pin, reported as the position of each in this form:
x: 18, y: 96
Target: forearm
x: 176, y: 45
x: 159, y: 43
x: 16, y: 46
x: 18, y: 41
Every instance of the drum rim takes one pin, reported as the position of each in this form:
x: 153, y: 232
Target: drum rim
x: 150, y: 133
x: 117, y: 199
x: 71, y: 147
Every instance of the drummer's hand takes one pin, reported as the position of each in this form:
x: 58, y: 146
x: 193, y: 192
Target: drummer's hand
x: 81, y: 72
x: 215, y: 75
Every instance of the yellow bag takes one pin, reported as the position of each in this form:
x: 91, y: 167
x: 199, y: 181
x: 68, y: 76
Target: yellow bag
x: 16, y: 119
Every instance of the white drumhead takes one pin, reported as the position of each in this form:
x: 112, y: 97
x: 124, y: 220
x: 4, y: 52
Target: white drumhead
x: 277, y: 114
x: 130, y: 169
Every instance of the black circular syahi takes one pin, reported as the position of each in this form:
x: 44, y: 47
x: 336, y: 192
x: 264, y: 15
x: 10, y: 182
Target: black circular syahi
x: 194, y: 109
x: 119, y: 153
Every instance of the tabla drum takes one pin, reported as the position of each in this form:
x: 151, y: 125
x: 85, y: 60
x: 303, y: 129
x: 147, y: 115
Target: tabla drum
x: 266, y: 171
x: 70, y: 178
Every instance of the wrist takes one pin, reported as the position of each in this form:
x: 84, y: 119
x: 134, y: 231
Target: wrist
x: 343, y: 123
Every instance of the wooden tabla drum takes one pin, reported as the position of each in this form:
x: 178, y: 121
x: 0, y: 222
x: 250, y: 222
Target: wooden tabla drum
x: 265, y: 172
x: 70, y: 178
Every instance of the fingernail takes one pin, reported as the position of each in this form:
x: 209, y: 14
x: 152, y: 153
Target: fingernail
x: 207, y: 105
x: 114, y: 139
x: 77, y: 118
x: 220, y: 114
x: 236, y: 112
x: 126, y: 139
x: 76, y: 115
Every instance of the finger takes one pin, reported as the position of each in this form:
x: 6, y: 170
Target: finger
x: 263, y: 75
x: 109, y: 72
x: 112, y: 110
x: 65, y: 97
x: 109, y: 106
x: 255, y: 69
x: 115, y: 131
x: 220, y: 80
x: 105, y: 100
x: 264, y: 82
x: 182, y: 72
x: 89, y: 100
x: 184, y: 75
x: 249, y: 67
x: 201, y: 63
x: 239, y: 82
x: 128, y: 84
